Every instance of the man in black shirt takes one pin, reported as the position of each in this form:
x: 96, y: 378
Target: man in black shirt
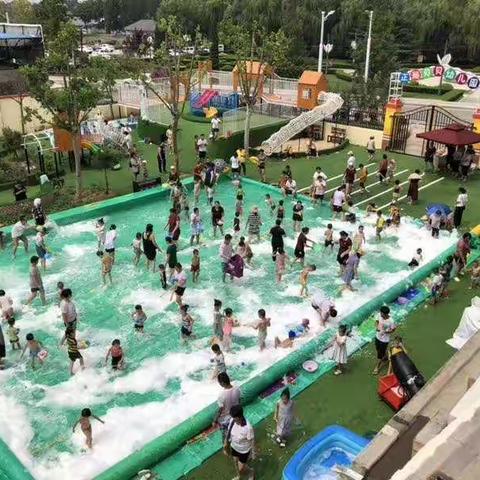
x: 277, y: 233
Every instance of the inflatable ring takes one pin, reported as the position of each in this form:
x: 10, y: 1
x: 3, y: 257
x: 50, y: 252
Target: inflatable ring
x: 254, y: 160
x: 310, y: 366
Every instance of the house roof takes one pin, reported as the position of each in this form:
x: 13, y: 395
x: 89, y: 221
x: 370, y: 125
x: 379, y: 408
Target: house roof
x: 146, y: 25
x: 253, y: 67
x: 310, y: 77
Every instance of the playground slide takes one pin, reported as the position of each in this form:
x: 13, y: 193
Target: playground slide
x: 329, y: 104
x: 91, y: 146
x: 206, y: 96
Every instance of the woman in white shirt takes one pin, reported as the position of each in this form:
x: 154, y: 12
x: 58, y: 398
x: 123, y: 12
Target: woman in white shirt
x: 460, y: 205
x: 111, y: 240
x: 240, y: 440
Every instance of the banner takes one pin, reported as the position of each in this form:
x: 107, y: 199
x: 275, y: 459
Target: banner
x: 449, y: 74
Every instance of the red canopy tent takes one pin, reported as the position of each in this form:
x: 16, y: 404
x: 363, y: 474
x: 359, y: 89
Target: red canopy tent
x: 454, y: 134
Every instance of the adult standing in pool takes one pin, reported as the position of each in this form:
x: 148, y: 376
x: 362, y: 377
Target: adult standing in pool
x: 69, y: 311
x: 414, y: 180
x: 277, y: 233
x: 253, y: 223
x: 344, y: 247
x: 173, y: 225
x: 150, y: 246
x: 111, y: 241
x: 324, y: 306
x: 171, y: 255
x: 218, y: 214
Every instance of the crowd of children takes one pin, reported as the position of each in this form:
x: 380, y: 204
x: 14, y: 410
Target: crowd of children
x: 174, y: 276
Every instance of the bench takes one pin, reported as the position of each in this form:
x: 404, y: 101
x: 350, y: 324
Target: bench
x: 337, y: 135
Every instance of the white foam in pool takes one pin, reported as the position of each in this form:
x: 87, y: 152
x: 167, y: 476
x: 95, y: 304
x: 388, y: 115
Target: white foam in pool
x: 128, y: 428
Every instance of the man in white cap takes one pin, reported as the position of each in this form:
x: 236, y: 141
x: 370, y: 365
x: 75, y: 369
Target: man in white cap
x: 351, y: 159
x: 323, y: 306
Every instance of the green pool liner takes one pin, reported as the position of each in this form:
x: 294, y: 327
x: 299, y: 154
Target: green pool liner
x: 165, y: 445
x: 191, y: 456
x: 162, y: 447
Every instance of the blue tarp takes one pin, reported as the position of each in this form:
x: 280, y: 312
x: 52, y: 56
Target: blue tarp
x: 18, y: 36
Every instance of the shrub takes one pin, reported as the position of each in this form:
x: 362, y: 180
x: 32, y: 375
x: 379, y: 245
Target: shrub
x: 343, y: 75
x: 453, y: 95
x: 417, y: 88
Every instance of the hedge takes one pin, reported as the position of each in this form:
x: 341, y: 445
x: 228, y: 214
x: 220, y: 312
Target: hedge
x: 341, y: 75
x: 453, y: 95
x: 154, y: 131
x: 415, y: 88
x: 224, y: 147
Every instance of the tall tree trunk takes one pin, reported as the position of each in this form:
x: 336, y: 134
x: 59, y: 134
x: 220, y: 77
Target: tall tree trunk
x: 214, y: 57
x: 22, y: 115
x: 246, y: 135
x: 107, y: 185
x: 78, y: 163
x: 111, y: 109
x: 176, y: 153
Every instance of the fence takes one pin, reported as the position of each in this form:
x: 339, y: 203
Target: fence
x: 357, y: 117
x: 234, y: 120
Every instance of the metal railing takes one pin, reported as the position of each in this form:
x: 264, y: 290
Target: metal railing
x: 366, y: 118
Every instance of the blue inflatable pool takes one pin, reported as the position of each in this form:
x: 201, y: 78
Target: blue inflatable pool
x: 334, y: 445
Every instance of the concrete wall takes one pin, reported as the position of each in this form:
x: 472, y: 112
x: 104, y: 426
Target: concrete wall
x: 356, y: 135
x: 10, y: 113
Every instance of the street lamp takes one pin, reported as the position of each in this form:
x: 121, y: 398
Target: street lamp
x: 328, y: 48
x: 320, y: 47
x: 369, y: 42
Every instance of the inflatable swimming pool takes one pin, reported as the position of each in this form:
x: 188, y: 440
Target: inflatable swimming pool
x: 333, y: 446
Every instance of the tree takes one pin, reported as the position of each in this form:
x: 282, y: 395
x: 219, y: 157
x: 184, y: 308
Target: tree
x: 111, y: 12
x: 89, y: 10
x: 107, y: 158
x: 105, y: 72
x: 172, y: 82
x: 67, y: 107
x: 51, y: 14
x: 12, y: 141
x: 255, y: 52
x: 22, y: 12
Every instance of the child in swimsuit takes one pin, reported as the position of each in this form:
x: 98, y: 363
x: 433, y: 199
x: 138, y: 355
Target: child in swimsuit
x: 304, y: 279
x: 218, y: 360
x: 195, y: 266
x: 329, y: 237
x: 116, y: 352
x: 217, y: 321
x: 12, y: 334
x: 236, y: 223
x: 34, y: 347
x: 137, y: 248
x: 229, y: 323
x: 280, y: 210
x: 270, y: 203
x: 139, y: 317
x: 187, y: 323
x: 86, y: 426
x: 262, y: 325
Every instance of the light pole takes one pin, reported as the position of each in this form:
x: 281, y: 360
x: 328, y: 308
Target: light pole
x: 320, y: 47
x: 328, y: 48
x: 369, y: 43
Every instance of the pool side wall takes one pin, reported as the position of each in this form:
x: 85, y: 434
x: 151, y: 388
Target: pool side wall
x: 163, y: 446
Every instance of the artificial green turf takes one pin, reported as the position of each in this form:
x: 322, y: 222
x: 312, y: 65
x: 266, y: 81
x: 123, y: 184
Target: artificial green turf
x: 351, y: 399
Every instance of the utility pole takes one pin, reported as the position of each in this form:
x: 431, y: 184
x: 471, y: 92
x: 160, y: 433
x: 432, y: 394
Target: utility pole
x: 369, y: 43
